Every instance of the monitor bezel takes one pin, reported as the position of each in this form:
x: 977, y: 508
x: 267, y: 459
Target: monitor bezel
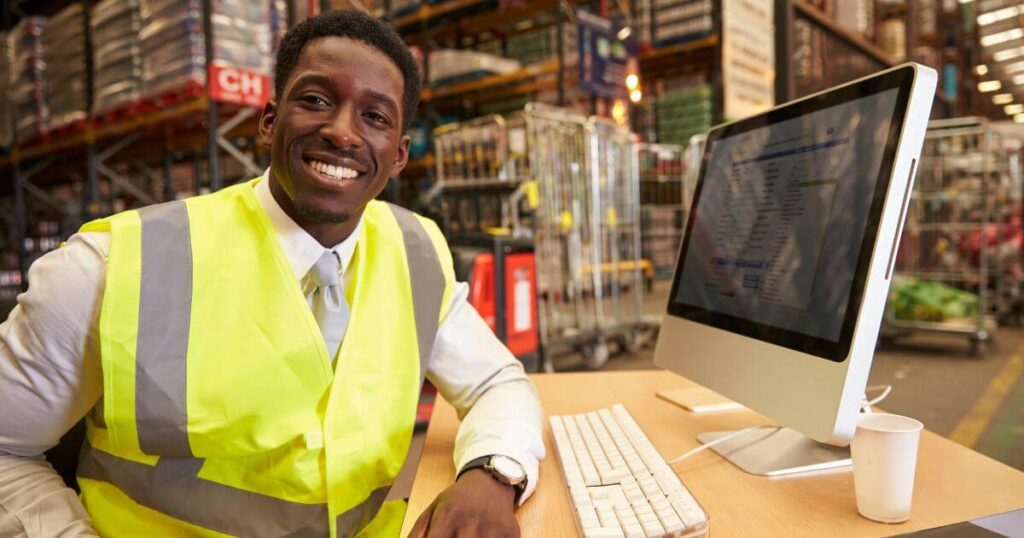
x: 836, y: 351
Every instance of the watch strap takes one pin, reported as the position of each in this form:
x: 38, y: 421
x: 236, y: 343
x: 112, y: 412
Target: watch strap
x: 481, y: 463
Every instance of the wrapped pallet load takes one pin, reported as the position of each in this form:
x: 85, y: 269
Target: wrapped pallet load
x: 27, y: 93
x: 117, y: 54
x: 64, y: 40
x: 174, y: 43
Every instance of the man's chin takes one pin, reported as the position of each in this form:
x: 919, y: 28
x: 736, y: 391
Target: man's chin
x: 318, y: 215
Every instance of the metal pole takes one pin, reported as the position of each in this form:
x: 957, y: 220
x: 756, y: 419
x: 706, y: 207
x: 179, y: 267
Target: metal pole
x: 168, y: 186
x: 92, y: 183
x: 213, y: 164
x: 783, y: 50
x: 21, y: 224
x: 560, y: 43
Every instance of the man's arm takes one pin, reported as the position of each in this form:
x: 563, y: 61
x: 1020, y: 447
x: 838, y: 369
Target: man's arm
x: 497, y: 403
x: 50, y: 376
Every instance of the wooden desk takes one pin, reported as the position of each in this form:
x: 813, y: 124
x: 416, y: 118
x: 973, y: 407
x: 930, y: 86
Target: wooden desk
x: 953, y: 483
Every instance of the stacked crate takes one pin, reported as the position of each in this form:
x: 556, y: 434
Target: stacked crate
x: 682, y: 112
x: 28, y: 90
x: 174, y: 46
x: 6, y: 131
x: 117, y: 54
x: 66, y: 72
x: 676, y: 21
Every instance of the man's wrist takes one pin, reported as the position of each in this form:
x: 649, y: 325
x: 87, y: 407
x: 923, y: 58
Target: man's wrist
x: 481, y: 476
x: 503, y: 469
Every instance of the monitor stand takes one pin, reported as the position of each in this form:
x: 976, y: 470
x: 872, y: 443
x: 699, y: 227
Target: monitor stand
x: 775, y: 451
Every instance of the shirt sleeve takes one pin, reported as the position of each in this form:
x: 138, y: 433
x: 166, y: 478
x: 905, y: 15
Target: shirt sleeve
x: 497, y: 403
x: 50, y: 376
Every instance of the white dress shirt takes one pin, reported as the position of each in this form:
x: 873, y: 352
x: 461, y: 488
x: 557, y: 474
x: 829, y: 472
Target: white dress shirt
x: 50, y: 376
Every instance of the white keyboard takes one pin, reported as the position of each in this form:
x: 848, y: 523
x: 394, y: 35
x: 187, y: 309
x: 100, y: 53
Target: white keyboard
x: 619, y: 483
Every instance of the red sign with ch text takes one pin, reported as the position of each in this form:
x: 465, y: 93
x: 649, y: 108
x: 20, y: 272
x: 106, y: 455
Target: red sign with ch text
x: 239, y: 86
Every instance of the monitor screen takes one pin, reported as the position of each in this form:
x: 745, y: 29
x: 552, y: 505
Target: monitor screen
x: 785, y: 217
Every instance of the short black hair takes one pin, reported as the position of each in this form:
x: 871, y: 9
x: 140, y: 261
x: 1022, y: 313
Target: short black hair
x: 361, y: 27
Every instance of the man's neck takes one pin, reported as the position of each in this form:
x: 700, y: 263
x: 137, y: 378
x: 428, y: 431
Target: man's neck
x: 328, y: 234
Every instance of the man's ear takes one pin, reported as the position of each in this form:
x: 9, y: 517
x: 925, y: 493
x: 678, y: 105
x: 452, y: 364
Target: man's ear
x: 401, y: 156
x: 266, y: 127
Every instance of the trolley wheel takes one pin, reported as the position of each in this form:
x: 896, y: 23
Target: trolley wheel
x: 595, y: 356
x: 636, y: 340
x: 979, y: 345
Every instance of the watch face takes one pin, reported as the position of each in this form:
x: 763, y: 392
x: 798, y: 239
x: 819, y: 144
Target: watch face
x: 509, y: 468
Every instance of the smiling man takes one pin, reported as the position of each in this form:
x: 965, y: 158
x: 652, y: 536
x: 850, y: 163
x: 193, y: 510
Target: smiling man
x: 249, y: 362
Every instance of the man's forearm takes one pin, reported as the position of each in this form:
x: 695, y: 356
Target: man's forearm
x: 35, y: 502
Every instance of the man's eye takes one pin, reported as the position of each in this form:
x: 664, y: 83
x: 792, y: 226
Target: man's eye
x: 378, y: 118
x: 313, y: 100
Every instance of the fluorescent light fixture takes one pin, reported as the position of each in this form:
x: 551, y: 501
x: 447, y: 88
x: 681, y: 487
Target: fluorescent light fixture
x: 998, y: 15
x: 981, y: 69
x: 1013, y: 67
x: 1008, y: 54
x: 1019, y: 118
x: 1001, y: 37
x: 1013, y: 110
x: 1018, y: 79
x: 1002, y: 98
x: 989, y: 86
x: 635, y: 96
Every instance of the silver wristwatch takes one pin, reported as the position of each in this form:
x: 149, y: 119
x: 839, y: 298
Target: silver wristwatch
x: 504, y: 469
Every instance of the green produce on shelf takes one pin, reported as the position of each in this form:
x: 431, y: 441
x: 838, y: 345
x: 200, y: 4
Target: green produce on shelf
x: 925, y: 300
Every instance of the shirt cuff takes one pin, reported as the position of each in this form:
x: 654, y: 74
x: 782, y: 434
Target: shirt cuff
x: 488, y: 448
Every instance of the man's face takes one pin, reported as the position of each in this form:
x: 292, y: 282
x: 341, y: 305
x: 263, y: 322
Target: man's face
x: 336, y: 131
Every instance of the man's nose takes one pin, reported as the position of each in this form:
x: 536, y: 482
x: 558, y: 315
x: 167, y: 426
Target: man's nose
x: 341, y: 131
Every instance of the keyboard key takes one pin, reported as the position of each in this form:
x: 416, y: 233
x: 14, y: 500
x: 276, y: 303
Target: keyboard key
x: 603, y: 532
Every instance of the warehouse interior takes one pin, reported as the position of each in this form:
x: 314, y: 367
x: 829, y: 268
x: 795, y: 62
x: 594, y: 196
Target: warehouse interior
x: 558, y: 146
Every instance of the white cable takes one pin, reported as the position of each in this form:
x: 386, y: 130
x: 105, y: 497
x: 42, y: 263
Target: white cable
x: 867, y: 404
x: 717, y: 441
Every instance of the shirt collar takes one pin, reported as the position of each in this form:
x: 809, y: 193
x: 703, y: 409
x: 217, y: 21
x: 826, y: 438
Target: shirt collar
x: 300, y: 248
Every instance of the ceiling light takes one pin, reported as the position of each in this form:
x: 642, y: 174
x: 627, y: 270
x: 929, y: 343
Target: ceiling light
x: 989, y: 86
x: 998, y: 15
x: 632, y: 81
x: 1019, y: 118
x: 635, y: 96
x: 1014, y: 67
x: 1002, y: 98
x: 1012, y: 110
x: 1018, y: 79
x: 1002, y: 37
x: 1008, y: 54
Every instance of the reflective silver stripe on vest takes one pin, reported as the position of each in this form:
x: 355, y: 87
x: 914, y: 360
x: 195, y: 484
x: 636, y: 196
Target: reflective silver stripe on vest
x: 173, y: 488
x: 427, y: 281
x: 359, y: 516
x: 165, y: 308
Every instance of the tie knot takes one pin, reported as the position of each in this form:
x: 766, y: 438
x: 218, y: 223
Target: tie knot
x: 325, y: 272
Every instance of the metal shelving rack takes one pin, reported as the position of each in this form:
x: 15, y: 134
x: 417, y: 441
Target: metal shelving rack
x: 148, y: 143
x: 965, y: 193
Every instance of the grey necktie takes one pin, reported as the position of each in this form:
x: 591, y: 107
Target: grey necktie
x: 329, y: 306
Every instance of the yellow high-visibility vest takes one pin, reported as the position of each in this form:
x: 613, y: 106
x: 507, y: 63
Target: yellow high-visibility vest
x: 221, y: 412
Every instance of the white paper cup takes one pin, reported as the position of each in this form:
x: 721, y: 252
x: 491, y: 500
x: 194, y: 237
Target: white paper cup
x: 884, y: 451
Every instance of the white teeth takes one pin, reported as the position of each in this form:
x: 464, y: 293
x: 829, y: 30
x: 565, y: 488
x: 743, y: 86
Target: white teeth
x: 337, y: 172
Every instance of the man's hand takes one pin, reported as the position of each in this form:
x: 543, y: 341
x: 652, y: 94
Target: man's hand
x: 475, y: 505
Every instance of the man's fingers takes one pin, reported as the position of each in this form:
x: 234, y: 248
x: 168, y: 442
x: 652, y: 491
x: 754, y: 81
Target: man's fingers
x: 419, y: 530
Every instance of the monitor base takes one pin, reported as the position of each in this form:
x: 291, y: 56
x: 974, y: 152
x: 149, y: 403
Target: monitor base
x: 775, y: 451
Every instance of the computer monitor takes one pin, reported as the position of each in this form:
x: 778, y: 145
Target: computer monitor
x: 785, y: 264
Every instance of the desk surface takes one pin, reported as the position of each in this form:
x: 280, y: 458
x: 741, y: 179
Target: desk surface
x: 953, y: 483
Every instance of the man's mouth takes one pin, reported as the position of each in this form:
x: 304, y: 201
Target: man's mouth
x: 335, y: 172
